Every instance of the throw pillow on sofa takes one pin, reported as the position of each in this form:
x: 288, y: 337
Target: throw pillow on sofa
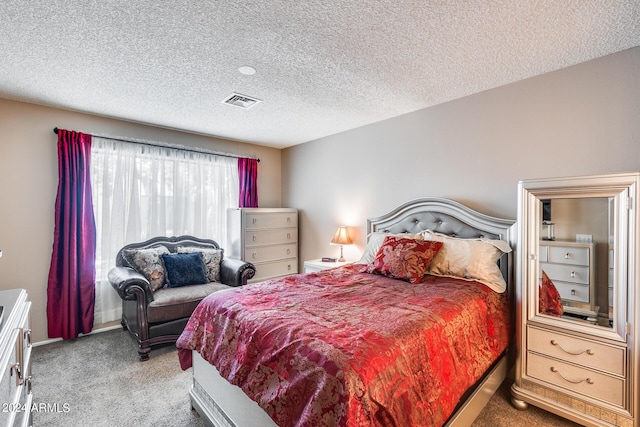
x: 147, y: 262
x: 184, y: 269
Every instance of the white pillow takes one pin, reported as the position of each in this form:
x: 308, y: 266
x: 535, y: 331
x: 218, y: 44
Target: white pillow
x: 469, y: 259
x: 375, y: 241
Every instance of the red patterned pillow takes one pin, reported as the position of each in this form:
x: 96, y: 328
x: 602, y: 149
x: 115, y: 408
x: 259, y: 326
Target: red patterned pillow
x: 405, y: 259
x: 549, y: 301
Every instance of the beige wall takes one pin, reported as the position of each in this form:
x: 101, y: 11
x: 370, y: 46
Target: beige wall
x: 580, y: 120
x: 29, y: 177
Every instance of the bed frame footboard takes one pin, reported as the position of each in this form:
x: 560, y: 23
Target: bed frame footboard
x: 210, y: 393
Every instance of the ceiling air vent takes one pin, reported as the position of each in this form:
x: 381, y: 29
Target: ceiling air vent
x: 242, y: 101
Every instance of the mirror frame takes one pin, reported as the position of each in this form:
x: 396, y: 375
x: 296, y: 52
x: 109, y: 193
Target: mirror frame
x: 622, y: 188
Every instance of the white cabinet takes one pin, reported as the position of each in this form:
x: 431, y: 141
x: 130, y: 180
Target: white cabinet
x: 583, y: 364
x: 15, y: 359
x: 265, y: 237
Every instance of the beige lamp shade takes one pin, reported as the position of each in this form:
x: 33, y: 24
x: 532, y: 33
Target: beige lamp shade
x: 341, y: 238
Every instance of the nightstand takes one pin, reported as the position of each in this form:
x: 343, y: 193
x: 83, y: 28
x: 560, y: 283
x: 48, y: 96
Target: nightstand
x: 318, y: 265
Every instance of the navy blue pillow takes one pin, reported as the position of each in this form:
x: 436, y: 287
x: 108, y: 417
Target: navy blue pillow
x: 184, y: 269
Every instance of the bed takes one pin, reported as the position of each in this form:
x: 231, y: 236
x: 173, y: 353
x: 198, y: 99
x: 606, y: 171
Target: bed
x: 356, y: 345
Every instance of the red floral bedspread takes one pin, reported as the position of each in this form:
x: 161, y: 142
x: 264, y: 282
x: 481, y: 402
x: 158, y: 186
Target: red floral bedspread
x: 343, y: 347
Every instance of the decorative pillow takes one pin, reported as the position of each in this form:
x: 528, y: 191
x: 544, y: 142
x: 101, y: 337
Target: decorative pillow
x: 549, y: 301
x: 469, y: 259
x: 375, y: 241
x: 211, y: 258
x: 403, y: 258
x: 184, y: 269
x: 147, y: 262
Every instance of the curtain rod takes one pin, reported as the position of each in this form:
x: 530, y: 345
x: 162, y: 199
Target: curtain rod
x: 166, y: 145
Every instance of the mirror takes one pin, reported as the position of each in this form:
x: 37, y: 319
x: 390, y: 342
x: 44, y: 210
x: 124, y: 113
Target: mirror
x: 574, y: 250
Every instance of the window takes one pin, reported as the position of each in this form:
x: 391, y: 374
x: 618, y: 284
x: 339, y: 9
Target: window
x: 142, y: 191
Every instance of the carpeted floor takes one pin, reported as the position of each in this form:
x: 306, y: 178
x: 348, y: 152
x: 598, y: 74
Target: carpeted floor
x: 98, y: 381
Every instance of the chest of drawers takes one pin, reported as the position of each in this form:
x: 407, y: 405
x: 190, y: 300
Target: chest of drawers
x: 571, y: 268
x: 265, y: 237
x: 15, y: 359
x: 594, y: 369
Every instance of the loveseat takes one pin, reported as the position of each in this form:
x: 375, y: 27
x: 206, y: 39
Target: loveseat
x: 162, y: 280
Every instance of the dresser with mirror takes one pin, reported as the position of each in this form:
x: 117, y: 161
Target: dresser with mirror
x: 579, y: 299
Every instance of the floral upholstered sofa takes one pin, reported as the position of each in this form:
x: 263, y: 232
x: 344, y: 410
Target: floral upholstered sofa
x: 162, y: 280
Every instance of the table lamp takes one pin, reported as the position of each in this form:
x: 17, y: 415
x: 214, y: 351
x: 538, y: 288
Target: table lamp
x: 341, y: 238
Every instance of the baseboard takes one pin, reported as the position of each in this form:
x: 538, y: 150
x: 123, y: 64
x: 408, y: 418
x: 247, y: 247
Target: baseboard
x: 95, y: 331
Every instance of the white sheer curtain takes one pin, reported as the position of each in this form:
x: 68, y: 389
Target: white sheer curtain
x: 142, y: 191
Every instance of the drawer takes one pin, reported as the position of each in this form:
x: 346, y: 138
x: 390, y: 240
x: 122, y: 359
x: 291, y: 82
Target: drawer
x: 271, y: 253
x: 567, y: 273
x: 270, y: 220
x: 544, y: 253
x: 268, y: 270
x: 572, y: 291
x: 24, y: 418
x: 311, y: 268
x: 10, y: 387
x: 270, y: 237
x: 580, y: 380
x: 587, y: 353
x: 568, y: 255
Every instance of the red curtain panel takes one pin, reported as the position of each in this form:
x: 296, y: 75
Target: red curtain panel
x: 71, y: 285
x: 248, y: 175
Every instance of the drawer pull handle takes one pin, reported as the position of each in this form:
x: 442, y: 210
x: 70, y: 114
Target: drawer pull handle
x: 567, y: 255
x: 573, y: 274
x: 588, y: 380
x: 16, y: 368
x: 573, y: 291
x: 27, y: 337
x: 288, y: 220
x: 288, y: 235
x: 254, y: 238
x: 577, y: 353
x: 288, y: 251
x: 254, y: 255
x: 255, y: 220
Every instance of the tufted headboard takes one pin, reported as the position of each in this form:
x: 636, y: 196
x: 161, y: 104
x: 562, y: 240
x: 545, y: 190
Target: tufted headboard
x: 448, y: 217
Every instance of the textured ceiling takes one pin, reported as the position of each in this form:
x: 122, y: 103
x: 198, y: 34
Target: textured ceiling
x: 323, y: 66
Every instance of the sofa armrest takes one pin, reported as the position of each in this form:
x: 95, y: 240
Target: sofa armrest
x: 130, y: 284
x: 236, y: 272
